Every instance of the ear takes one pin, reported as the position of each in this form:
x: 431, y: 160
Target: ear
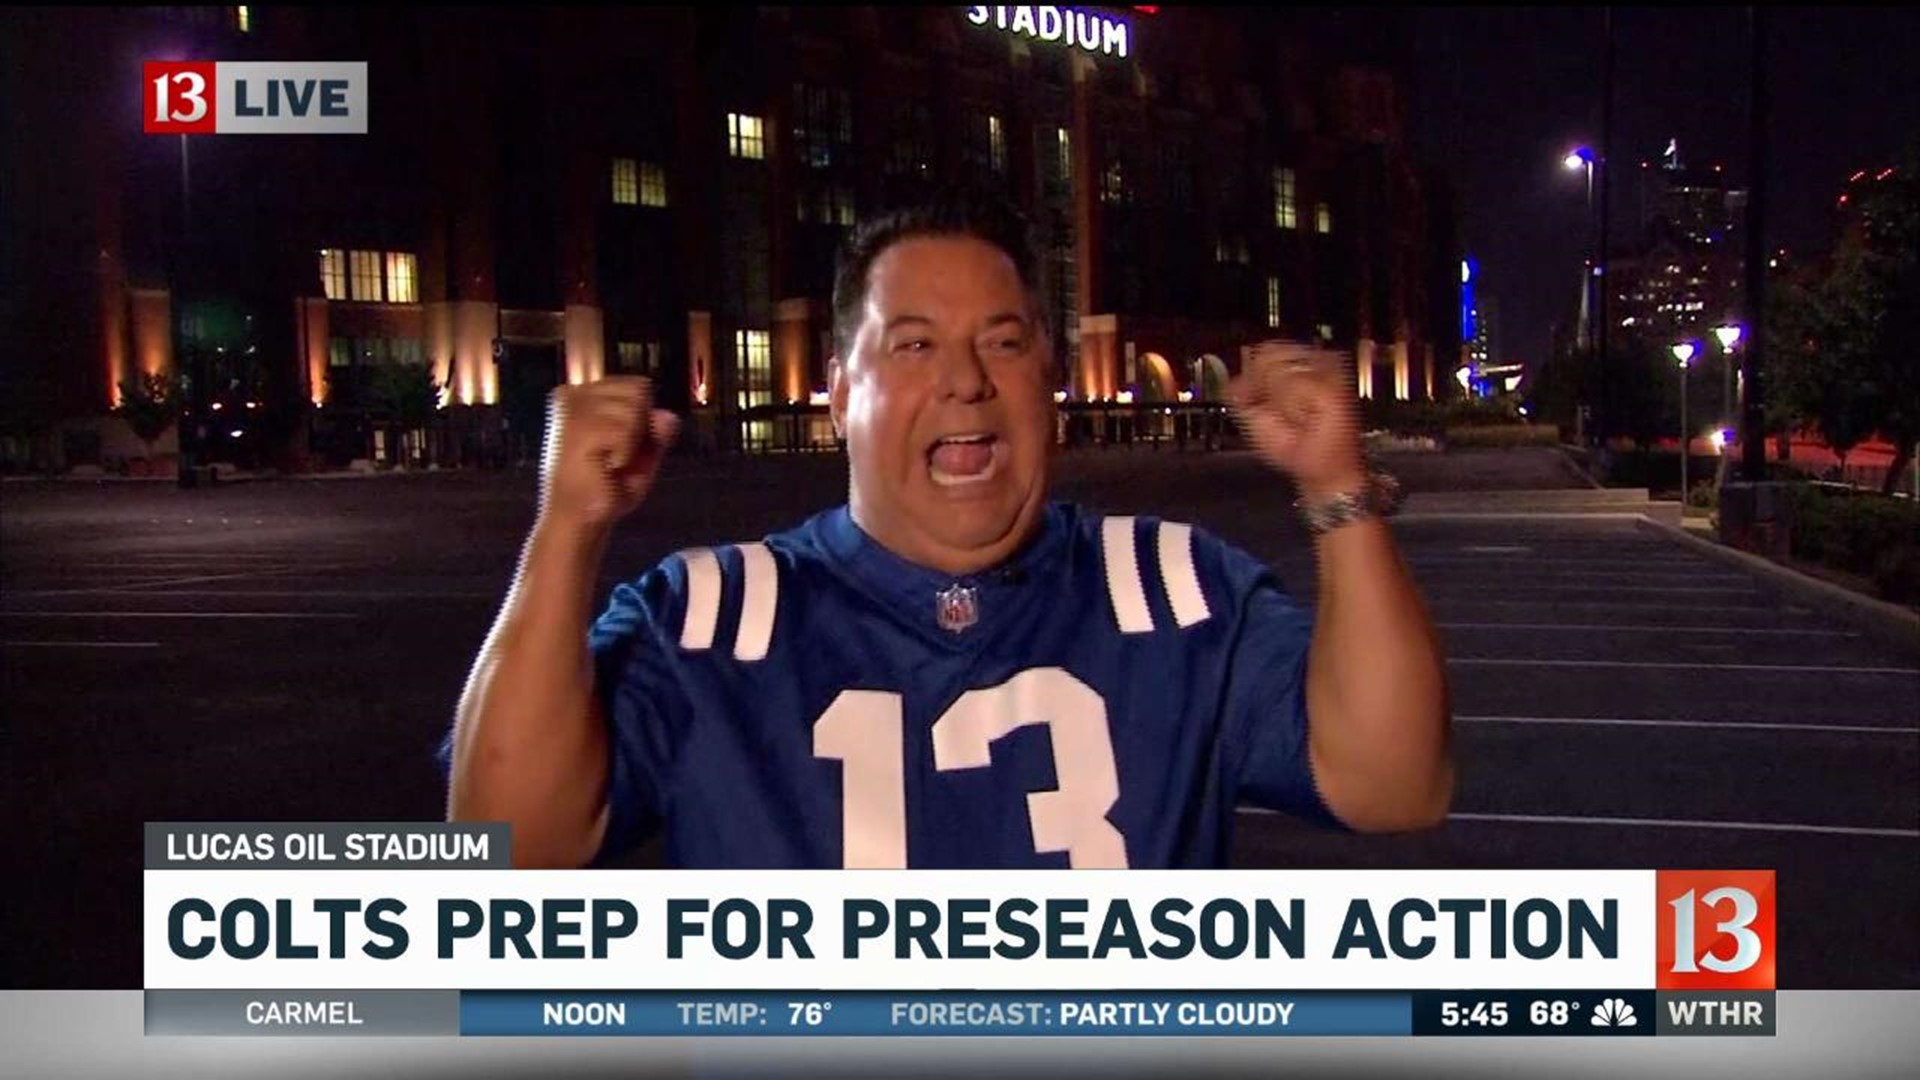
x: 837, y: 395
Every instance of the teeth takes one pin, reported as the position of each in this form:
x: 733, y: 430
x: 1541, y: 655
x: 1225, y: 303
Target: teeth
x: 967, y: 439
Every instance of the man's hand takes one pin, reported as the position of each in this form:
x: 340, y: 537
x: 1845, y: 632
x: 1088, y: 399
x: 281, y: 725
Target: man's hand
x: 605, y: 443
x: 1297, y: 406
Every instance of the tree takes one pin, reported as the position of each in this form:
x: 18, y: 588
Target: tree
x: 1849, y: 356
x: 403, y: 397
x: 1816, y: 368
x: 150, y: 404
x: 1639, y: 384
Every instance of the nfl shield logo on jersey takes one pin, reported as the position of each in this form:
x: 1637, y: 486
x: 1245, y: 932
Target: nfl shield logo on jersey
x: 956, y: 608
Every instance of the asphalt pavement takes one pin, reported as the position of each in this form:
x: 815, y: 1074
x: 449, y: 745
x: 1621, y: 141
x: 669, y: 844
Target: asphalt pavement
x: 292, y: 650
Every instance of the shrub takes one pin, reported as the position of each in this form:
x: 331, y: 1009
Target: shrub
x: 1503, y: 435
x: 1657, y: 470
x: 1859, y: 533
x: 1896, y: 573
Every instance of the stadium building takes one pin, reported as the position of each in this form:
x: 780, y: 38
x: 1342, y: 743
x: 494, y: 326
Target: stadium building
x: 551, y: 196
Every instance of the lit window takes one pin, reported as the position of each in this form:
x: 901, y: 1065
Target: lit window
x: 1285, y: 209
x: 746, y: 136
x: 626, y: 181
x: 753, y: 352
x: 653, y: 184
x: 1273, y: 302
x: 1063, y: 154
x: 842, y: 206
x: 333, y: 273
x: 1326, y: 331
x: 243, y: 19
x: 366, y: 274
x: 403, y: 278
x: 1322, y: 218
x: 996, y: 144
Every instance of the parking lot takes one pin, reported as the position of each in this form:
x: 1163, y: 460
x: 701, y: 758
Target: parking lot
x: 292, y: 650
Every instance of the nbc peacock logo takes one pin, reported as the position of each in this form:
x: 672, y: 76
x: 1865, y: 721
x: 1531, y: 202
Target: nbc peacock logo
x: 1614, y: 1012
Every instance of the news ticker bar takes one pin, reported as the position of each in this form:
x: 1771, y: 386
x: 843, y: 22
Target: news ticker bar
x: 354, y: 1014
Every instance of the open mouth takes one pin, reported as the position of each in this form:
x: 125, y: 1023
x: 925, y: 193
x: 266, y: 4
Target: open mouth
x: 967, y: 458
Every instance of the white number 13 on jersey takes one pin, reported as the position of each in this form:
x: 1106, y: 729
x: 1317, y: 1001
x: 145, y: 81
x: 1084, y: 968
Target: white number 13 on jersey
x: 862, y: 730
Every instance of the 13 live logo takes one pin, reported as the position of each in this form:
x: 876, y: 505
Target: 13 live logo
x: 226, y: 97
x: 1716, y: 930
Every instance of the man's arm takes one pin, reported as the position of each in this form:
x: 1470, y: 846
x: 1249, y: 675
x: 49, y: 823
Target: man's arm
x: 1376, y: 697
x: 1376, y: 688
x: 530, y: 742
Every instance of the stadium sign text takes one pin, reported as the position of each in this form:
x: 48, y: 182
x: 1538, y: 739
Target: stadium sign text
x: 1068, y: 26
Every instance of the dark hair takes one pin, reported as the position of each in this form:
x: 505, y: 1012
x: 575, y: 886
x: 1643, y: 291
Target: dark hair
x: 982, y: 217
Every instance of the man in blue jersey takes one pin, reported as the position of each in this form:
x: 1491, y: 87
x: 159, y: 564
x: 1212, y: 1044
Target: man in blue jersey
x: 951, y: 670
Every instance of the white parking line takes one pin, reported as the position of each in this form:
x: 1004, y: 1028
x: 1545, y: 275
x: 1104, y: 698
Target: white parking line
x: 1754, y: 725
x: 1490, y: 661
x: 79, y: 644
x: 1424, y: 557
x: 318, y: 569
x: 1666, y: 590
x: 1660, y: 823
x: 177, y: 615
x: 362, y: 594
x: 1546, y: 579
x: 1684, y: 823
x: 1629, y: 605
x: 1649, y: 628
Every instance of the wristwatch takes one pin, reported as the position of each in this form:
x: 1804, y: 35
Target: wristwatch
x: 1378, y: 499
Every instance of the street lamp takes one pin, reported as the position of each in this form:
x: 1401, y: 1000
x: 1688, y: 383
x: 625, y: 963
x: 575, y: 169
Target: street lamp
x: 1577, y: 159
x: 1683, y: 351
x: 1729, y: 336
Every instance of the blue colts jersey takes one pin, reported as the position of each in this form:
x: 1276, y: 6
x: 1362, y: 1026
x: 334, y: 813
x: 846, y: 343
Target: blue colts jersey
x: 1105, y: 699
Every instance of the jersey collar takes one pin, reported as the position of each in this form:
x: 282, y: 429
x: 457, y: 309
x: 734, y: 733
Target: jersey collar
x: 910, y: 590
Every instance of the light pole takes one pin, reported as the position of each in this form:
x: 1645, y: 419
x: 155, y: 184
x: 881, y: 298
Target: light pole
x: 1729, y: 336
x: 1581, y: 159
x: 1683, y: 351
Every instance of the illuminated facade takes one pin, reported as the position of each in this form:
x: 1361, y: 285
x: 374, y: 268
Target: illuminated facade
x: 554, y: 196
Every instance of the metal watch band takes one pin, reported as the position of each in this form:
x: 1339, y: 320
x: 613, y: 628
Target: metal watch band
x: 1378, y: 499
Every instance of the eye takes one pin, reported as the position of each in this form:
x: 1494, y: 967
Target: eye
x: 913, y: 345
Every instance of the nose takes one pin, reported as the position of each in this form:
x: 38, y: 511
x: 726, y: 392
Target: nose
x: 964, y: 376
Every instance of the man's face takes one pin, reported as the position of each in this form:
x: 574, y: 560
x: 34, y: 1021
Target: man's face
x: 944, y: 401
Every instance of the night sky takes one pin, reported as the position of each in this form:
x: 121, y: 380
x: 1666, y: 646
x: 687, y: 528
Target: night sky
x: 1501, y: 95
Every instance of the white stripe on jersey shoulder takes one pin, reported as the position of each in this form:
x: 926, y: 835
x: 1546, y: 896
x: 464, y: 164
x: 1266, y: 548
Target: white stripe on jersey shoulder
x: 703, y: 598
x: 1177, y: 573
x: 1124, y: 589
x: 759, y: 601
